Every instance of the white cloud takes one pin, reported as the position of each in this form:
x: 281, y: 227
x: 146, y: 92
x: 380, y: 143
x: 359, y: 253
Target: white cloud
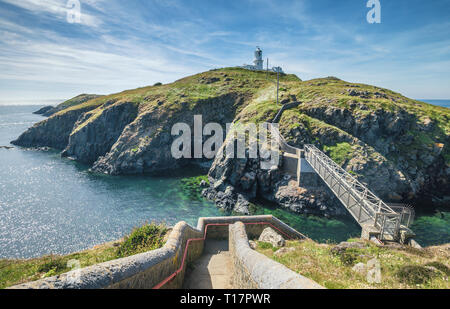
x: 56, y: 8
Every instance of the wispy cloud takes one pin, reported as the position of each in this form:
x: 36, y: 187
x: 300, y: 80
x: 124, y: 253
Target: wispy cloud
x: 127, y: 44
x: 57, y: 9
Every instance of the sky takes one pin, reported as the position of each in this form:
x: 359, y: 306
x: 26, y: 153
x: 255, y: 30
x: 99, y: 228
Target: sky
x: 119, y: 45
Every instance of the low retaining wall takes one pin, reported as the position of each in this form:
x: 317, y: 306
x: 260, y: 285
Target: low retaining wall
x: 147, y: 270
x: 142, y: 271
x: 283, y: 108
x: 253, y: 270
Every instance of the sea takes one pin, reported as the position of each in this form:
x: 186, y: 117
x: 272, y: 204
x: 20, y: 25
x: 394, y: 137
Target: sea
x: 52, y: 205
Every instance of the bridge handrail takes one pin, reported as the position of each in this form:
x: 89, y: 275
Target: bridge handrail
x: 283, y: 143
x: 364, y: 193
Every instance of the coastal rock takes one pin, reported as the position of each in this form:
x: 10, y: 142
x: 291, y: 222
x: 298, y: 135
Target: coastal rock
x: 343, y: 246
x: 360, y: 268
x: 145, y: 145
x: 53, y: 132
x: 93, y: 136
x: 248, y: 179
x: 270, y: 236
x: 283, y: 251
x: 43, y: 110
x: 396, y: 146
x: 242, y: 205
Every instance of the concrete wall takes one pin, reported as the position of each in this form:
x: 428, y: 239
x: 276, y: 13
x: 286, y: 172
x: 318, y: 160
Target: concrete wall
x: 290, y: 164
x: 308, y: 178
x: 253, y: 270
x: 146, y: 270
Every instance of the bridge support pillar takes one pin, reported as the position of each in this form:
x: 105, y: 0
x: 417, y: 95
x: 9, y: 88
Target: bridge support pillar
x: 306, y: 175
x: 369, y: 231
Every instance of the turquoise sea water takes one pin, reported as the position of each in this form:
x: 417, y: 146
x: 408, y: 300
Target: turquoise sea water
x: 54, y: 205
x: 443, y: 103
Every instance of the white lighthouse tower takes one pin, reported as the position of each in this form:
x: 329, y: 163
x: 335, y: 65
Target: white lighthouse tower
x: 258, y: 62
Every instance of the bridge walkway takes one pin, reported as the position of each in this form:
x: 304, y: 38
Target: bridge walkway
x: 213, y: 270
x: 374, y: 216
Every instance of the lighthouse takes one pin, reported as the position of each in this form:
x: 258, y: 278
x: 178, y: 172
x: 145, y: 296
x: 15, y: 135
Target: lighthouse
x: 258, y: 62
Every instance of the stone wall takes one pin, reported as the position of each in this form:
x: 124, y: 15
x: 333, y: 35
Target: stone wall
x: 146, y: 270
x: 142, y: 271
x: 253, y: 270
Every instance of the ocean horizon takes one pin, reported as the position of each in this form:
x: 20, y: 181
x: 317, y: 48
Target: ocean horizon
x: 54, y: 102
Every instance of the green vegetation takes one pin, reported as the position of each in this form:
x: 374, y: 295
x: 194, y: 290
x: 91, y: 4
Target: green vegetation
x: 340, y: 153
x: 401, y: 268
x: 146, y: 238
x: 254, y: 96
x: 436, y: 227
x: 192, y: 187
x: 266, y: 246
x: 80, y: 99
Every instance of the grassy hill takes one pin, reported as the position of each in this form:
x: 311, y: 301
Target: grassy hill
x: 400, y: 147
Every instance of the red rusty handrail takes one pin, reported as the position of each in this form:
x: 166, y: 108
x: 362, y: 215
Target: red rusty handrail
x: 179, y: 270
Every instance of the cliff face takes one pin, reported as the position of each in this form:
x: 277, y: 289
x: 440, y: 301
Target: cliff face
x: 145, y: 145
x: 53, y: 132
x: 96, y: 131
x: 399, y: 147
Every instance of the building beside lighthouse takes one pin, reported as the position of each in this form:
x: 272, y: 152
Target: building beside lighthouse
x: 258, y: 63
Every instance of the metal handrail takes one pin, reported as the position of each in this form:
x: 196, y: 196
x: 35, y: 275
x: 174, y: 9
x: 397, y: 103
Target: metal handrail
x: 369, y: 197
x: 373, y: 207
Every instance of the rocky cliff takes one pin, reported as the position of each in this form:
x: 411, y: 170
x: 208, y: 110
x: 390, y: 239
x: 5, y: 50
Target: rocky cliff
x: 399, y: 147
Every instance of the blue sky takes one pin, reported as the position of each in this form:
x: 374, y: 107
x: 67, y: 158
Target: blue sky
x: 128, y: 44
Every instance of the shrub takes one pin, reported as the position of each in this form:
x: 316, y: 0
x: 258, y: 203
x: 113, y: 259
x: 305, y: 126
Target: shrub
x: 146, y: 238
x: 348, y: 258
x: 340, y: 153
x: 56, y: 265
x: 440, y: 266
x: 266, y: 245
x: 415, y: 274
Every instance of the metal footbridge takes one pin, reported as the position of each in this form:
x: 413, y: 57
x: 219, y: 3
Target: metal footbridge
x: 376, y: 218
x: 374, y: 215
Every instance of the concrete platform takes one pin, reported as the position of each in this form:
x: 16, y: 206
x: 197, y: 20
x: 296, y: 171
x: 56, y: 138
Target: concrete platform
x: 213, y: 270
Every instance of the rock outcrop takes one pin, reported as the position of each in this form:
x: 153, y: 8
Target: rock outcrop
x: 44, y: 110
x: 97, y: 131
x: 270, y: 236
x: 53, y: 132
x: 398, y: 147
x: 145, y: 145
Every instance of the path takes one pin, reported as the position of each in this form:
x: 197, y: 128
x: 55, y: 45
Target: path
x: 213, y: 270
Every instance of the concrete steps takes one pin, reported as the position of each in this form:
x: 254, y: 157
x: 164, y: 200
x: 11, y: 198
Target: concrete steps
x: 213, y: 270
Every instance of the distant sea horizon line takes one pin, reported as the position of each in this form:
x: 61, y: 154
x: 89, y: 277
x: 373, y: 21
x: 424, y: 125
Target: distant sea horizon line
x: 54, y: 102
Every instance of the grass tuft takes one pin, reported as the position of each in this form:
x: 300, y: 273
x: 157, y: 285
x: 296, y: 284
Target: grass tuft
x: 142, y: 239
